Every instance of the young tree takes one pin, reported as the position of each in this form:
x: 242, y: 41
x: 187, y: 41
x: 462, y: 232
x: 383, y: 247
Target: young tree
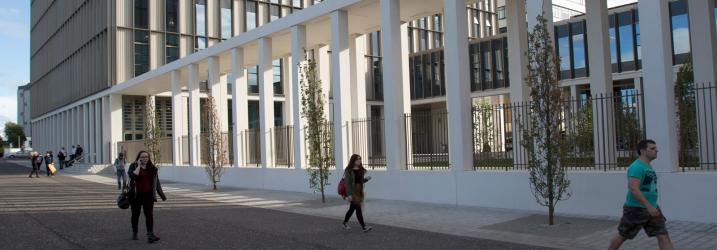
x: 542, y: 139
x: 217, y: 152
x: 152, y: 135
x: 15, y: 134
x: 483, y: 127
x: 686, y: 115
x: 318, y: 136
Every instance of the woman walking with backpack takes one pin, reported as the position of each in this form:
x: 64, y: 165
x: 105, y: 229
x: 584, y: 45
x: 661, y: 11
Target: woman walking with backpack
x: 143, y: 189
x: 354, y: 180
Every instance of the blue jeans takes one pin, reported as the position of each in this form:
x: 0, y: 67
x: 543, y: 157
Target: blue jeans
x: 121, y: 178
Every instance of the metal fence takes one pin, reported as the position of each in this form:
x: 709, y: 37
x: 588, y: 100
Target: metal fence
x: 252, y: 147
x: 696, y: 126
x: 283, y: 145
x: 226, y: 147
x: 498, y: 130
x: 426, y: 140
x: 368, y: 141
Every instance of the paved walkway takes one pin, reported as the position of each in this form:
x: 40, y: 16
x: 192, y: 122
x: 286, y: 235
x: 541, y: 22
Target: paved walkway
x: 523, y: 227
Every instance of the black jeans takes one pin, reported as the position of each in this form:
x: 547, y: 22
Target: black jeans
x: 359, y: 215
x: 143, y: 201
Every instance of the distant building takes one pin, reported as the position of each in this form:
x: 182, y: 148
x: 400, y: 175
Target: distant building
x: 23, y: 109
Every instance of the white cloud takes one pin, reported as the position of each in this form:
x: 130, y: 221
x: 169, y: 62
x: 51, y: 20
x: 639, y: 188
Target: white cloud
x: 8, y: 108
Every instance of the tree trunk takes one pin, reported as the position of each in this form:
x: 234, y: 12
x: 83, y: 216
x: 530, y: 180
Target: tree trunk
x: 551, y: 216
x: 321, y: 180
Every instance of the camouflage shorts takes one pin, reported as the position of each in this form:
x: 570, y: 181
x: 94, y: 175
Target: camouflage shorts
x: 636, y: 218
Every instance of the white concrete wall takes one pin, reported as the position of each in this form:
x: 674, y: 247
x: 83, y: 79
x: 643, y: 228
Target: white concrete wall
x: 683, y: 196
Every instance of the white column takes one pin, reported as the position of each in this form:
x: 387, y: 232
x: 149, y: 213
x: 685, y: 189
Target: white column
x: 341, y: 83
x: 517, y: 47
x: 657, y: 70
x: 266, y: 101
x: 86, y: 132
x: 457, y: 87
x: 298, y: 46
x: 239, y: 102
x: 114, y: 121
x: 540, y: 7
x: 90, y: 147
x: 357, y: 50
x: 704, y: 57
x: 395, y: 104
x: 601, y: 82
x: 107, y: 156
x: 177, y: 109
x: 194, y: 115
x: 218, y: 91
x: 98, y: 132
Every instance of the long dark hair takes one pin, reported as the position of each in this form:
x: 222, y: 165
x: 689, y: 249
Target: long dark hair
x: 149, y: 159
x: 353, y: 159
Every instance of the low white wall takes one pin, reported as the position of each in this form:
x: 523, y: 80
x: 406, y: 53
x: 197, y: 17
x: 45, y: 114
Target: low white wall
x: 683, y: 196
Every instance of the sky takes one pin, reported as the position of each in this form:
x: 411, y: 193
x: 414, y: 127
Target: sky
x: 15, y: 59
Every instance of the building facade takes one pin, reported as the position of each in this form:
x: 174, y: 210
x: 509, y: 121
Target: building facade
x: 23, y: 110
x: 427, y: 91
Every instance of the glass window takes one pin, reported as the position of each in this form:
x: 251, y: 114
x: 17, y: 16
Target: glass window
x: 276, y: 74
x: 141, y: 14
x: 253, y: 109
x: 487, y: 64
x: 251, y: 16
x: 172, y: 49
x: 498, y: 58
x: 437, y: 24
x: 226, y: 19
x: 474, y: 50
x: 424, y: 39
x: 141, y: 52
x: 296, y: 3
x: 200, y: 43
x: 500, y: 12
x: 200, y: 21
x: 274, y: 12
x: 680, y: 31
x: 437, y: 73
x: 487, y: 26
x: 418, y: 76
x: 638, y: 49
x: 579, y: 45
x: 613, y: 43
x: 475, y: 24
x: 562, y: 33
x: 427, y: 76
x: 278, y: 114
x: 624, y: 30
x: 172, y: 9
x: 252, y: 79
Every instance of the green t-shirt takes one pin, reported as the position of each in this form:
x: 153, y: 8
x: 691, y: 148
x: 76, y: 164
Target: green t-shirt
x: 648, y: 183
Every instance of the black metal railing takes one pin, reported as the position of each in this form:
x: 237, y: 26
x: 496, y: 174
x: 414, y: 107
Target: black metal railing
x: 283, y: 145
x: 498, y: 129
x: 426, y: 140
x: 252, y: 147
x: 368, y: 141
x: 696, y: 126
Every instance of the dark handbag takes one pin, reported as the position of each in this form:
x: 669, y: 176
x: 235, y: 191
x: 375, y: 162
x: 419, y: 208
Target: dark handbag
x: 123, y: 199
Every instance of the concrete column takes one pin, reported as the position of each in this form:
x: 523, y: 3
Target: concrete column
x: 601, y: 83
x: 107, y: 156
x: 657, y: 70
x: 177, y: 109
x: 457, y: 88
x: 395, y: 106
x: 266, y: 101
x: 86, y: 132
x: 323, y: 64
x: 114, y: 120
x: 218, y: 91
x: 357, y: 50
x: 704, y: 62
x: 194, y: 115
x: 517, y: 69
x: 298, y: 55
x: 340, y: 83
x: 540, y: 7
x: 239, y: 103
x: 90, y: 146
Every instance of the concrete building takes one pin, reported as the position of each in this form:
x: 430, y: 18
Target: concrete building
x: 23, y: 110
x: 424, y: 134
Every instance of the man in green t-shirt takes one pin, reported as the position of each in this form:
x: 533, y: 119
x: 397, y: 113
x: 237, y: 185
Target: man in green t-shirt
x: 640, y: 210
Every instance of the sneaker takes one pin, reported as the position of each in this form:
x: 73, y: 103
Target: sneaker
x: 367, y: 229
x: 346, y: 226
x: 152, y: 238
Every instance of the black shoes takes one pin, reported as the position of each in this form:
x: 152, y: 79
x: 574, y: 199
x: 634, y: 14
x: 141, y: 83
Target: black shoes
x: 151, y: 238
